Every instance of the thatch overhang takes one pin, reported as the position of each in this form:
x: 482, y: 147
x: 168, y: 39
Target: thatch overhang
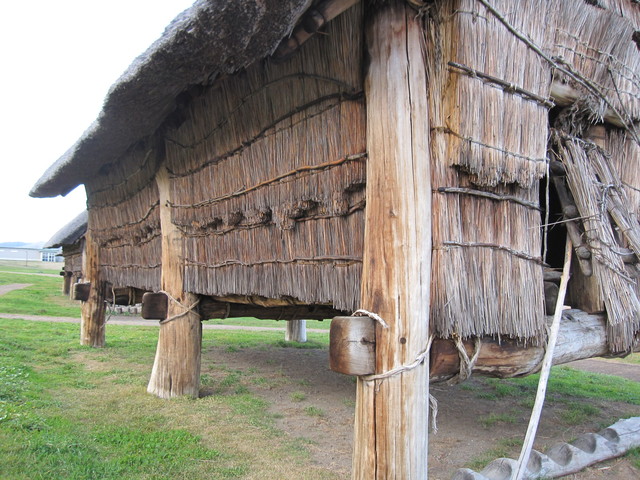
x: 212, y: 38
x: 71, y: 233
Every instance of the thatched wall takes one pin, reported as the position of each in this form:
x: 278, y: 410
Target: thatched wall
x: 602, y: 45
x: 124, y: 219
x: 268, y: 175
x: 488, y: 155
x: 73, y: 260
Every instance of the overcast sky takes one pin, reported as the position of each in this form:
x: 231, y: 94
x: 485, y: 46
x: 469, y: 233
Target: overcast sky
x: 59, y: 58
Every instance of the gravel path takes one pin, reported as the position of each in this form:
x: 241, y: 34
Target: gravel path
x: 140, y: 322
x: 13, y: 286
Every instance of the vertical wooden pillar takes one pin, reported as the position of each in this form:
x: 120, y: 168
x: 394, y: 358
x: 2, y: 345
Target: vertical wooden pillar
x: 176, y: 369
x: 296, y: 331
x: 92, y: 331
x: 66, y: 283
x: 391, y: 423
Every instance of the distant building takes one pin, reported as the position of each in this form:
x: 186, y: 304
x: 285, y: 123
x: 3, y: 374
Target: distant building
x: 31, y: 254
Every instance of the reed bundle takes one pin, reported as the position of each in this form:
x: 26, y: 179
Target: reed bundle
x: 268, y: 175
x: 478, y: 118
x: 623, y: 152
x: 489, y: 123
x: 601, y: 45
x: 608, y: 228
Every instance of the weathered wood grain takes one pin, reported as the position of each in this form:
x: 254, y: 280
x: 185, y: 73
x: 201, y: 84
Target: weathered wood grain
x: 176, y: 370
x: 92, y: 320
x: 391, y: 419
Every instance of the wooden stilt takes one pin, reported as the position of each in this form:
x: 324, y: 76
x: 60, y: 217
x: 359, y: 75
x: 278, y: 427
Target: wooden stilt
x: 391, y: 424
x: 92, y: 331
x: 176, y: 370
x: 296, y: 331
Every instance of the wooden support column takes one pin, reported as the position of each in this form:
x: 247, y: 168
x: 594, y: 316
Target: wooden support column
x: 296, y: 331
x: 176, y: 370
x: 391, y: 422
x: 92, y: 331
x: 66, y: 283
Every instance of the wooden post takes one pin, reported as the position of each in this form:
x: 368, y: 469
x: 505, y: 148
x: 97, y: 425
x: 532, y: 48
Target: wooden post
x: 391, y: 421
x: 296, y: 331
x: 176, y: 370
x: 66, y: 282
x: 92, y: 331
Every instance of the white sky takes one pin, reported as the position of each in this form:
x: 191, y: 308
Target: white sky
x: 58, y: 59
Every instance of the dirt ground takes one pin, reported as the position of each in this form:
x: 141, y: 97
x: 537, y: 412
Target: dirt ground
x: 312, y: 403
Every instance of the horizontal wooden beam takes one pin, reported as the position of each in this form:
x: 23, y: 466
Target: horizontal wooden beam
x: 565, y: 95
x: 581, y: 336
x: 313, y: 20
x: 210, y: 309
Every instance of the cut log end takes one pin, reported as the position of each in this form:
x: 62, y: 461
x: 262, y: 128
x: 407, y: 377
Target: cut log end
x: 352, y: 345
x: 154, y: 306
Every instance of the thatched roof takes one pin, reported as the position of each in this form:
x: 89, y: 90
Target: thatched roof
x: 211, y: 38
x: 70, y: 233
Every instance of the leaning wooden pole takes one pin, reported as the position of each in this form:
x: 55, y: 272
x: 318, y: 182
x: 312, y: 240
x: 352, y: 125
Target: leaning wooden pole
x: 391, y: 423
x: 92, y: 322
x: 176, y: 370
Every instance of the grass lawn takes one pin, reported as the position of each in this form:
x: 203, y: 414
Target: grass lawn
x: 72, y: 412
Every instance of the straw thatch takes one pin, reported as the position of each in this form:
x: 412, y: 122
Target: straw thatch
x: 70, y: 238
x: 124, y: 219
x: 268, y: 176
x: 488, y: 154
x: 211, y: 38
x: 609, y: 227
x: 600, y: 45
x: 267, y: 160
x: 70, y: 233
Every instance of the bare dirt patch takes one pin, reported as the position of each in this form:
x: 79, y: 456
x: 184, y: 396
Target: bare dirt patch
x: 13, y: 286
x: 316, y: 406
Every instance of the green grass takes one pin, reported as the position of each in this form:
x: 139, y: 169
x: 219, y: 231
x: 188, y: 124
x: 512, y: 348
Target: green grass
x: 41, y: 298
x: 504, y: 448
x: 495, y: 418
x: 71, y: 412
x: 298, y: 396
x: 564, y: 383
x: 634, y: 456
x: 314, y: 411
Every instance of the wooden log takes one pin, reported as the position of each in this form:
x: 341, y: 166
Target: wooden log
x: 564, y: 95
x: 209, y: 308
x: 296, y: 331
x: 313, y: 19
x: 81, y: 291
x: 66, y: 282
x: 176, y: 369
x: 352, y: 345
x: 581, y: 336
x: 154, y: 306
x: 92, y: 331
x: 391, y: 419
x: 550, y: 297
